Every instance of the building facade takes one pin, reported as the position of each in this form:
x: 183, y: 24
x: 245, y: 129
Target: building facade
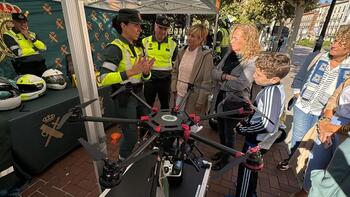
x: 312, y: 22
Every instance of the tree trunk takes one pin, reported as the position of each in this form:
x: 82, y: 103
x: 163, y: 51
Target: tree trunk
x: 299, y: 11
x: 278, y: 35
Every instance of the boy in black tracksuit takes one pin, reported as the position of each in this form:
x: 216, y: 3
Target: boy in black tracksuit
x: 270, y: 69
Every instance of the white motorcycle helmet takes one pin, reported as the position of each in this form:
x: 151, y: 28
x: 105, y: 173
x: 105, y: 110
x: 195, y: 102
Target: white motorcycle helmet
x: 31, y: 86
x: 10, y: 97
x: 54, y: 79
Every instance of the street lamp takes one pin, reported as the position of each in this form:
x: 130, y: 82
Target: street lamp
x: 320, y: 39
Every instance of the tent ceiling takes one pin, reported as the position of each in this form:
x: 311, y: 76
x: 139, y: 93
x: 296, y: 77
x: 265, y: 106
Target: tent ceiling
x: 157, y: 6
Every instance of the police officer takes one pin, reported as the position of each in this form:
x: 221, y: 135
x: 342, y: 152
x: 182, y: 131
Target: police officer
x: 123, y: 65
x: 164, y: 50
x: 26, y: 47
x: 223, y: 38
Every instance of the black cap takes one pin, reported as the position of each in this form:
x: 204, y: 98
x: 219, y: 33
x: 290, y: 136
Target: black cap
x: 19, y: 17
x: 129, y: 15
x: 163, y: 21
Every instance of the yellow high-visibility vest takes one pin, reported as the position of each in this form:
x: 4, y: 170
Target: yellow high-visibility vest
x: 225, y: 40
x: 126, y: 63
x: 27, y: 47
x: 162, y: 54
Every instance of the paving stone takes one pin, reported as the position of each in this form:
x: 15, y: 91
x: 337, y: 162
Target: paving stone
x: 218, y: 189
x: 51, y: 191
x: 75, y: 190
x: 32, y: 189
x: 37, y: 194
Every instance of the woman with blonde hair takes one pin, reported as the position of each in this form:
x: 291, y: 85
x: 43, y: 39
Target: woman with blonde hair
x: 234, y: 76
x: 193, y: 66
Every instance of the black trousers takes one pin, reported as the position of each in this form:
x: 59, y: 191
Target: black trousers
x: 127, y: 106
x: 226, y: 134
x: 226, y: 125
x: 33, y: 67
x: 247, y: 179
x: 160, y: 87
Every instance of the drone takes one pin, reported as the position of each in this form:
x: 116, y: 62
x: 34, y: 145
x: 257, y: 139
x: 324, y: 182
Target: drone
x: 171, y: 136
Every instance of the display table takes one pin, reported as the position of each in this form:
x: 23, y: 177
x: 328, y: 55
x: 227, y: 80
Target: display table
x: 22, y: 131
x: 140, y: 180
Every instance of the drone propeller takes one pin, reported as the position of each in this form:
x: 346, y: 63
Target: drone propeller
x: 132, y: 160
x: 266, y: 144
x: 236, y: 161
x: 225, y: 113
x: 190, y: 89
x: 92, y: 150
x: 121, y: 89
x: 129, y: 87
x: 98, y: 155
x: 73, y: 110
x: 194, y: 85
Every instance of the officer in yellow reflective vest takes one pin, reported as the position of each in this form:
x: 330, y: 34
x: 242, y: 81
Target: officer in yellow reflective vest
x: 164, y: 50
x: 222, y: 38
x: 26, y: 47
x: 122, y: 64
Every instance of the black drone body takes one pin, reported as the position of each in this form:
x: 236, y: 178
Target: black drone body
x: 171, y: 135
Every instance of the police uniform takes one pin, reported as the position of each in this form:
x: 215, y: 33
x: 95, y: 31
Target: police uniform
x: 165, y: 53
x: 223, y: 40
x: 28, y: 59
x: 119, y: 56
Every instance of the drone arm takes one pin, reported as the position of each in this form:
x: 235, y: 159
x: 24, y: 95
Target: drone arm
x: 141, y: 100
x: 218, y: 146
x: 225, y: 113
x: 106, y: 119
x: 143, y: 146
x: 184, y: 99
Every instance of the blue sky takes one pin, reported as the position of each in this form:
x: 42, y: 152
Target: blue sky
x: 322, y: 1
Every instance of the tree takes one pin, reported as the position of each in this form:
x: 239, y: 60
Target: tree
x: 266, y: 11
x: 299, y: 7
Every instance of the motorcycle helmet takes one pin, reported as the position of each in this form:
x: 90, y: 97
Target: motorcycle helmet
x: 54, y: 79
x: 9, y: 94
x: 30, y: 86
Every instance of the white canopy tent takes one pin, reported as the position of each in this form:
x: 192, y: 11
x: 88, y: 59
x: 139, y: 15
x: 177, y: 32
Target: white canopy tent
x: 158, y: 6
x: 79, y: 43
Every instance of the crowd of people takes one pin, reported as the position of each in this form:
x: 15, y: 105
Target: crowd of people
x: 321, y: 91
x: 243, y: 66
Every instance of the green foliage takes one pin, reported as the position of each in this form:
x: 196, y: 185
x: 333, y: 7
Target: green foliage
x: 306, y: 43
x: 263, y: 11
x: 311, y: 43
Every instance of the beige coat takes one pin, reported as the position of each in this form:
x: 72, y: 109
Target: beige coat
x: 202, y: 67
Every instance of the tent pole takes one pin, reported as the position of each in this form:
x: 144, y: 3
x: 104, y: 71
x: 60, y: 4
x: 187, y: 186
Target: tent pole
x: 188, y: 22
x: 215, y: 30
x: 79, y: 44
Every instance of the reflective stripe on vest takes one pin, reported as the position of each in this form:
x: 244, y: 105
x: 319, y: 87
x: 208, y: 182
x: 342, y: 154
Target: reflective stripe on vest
x: 128, y: 60
x: 27, y: 47
x: 163, y: 56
